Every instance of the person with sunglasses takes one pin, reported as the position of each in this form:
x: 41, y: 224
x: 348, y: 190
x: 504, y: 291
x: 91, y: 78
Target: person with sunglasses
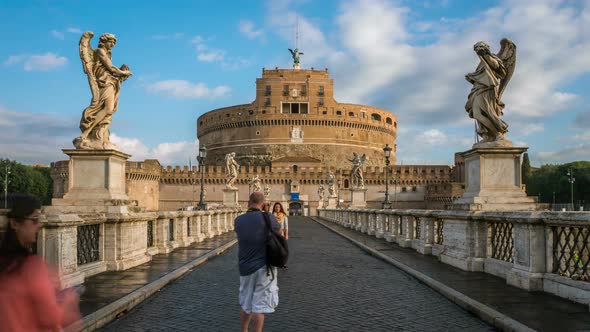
x: 28, y: 294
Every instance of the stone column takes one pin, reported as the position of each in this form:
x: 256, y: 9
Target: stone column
x: 465, y: 243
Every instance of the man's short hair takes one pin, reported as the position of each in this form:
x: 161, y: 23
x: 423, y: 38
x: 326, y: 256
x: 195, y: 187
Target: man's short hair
x: 256, y: 198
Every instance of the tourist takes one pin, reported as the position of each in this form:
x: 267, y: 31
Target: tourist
x: 279, y: 213
x: 28, y: 300
x: 259, y: 293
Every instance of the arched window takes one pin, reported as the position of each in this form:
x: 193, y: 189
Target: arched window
x: 375, y: 117
x: 346, y: 183
x: 339, y: 113
x: 351, y: 114
x: 295, y: 168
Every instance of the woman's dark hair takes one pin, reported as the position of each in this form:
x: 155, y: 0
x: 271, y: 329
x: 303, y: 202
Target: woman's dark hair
x: 280, y: 205
x: 12, y: 252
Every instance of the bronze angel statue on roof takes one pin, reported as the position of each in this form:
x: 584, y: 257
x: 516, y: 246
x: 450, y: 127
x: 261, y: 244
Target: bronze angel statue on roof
x: 105, y: 83
x: 484, y: 103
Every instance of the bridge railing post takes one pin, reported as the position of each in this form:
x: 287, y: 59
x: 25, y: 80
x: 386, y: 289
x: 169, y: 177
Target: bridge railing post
x: 380, y: 219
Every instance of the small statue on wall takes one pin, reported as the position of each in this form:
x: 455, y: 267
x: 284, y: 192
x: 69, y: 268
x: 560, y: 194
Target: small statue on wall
x: 331, y: 184
x: 256, y: 183
x: 356, y: 174
x: 266, y: 191
x: 321, y: 191
x: 232, y: 169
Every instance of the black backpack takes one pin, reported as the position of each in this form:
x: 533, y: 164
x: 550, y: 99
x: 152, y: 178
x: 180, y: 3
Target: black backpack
x: 277, y: 251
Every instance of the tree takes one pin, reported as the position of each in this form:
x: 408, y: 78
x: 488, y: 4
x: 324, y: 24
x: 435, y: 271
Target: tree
x: 551, y: 179
x: 526, y: 169
x: 27, y: 179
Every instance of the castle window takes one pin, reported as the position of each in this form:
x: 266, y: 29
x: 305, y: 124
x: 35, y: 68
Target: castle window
x: 303, y: 90
x: 268, y: 91
x: 346, y: 183
x: 404, y: 189
x: 201, y: 123
x: 267, y: 102
x: 321, y: 91
x: 227, y: 115
x: 351, y: 114
x: 363, y: 115
x: 414, y: 188
x: 321, y: 101
x: 389, y: 121
x: 375, y: 117
x: 324, y: 112
x: 285, y: 90
x: 295, y: 168
x: 257, y: 132
x: 339, y: 113
x: 294, y: 108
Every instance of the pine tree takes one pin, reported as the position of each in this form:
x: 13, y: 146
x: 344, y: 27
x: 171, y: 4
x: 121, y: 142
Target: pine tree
x: 526, y: 169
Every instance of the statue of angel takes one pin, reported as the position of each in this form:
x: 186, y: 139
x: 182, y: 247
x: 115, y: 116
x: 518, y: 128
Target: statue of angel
x: 266, y: 190
x: 295, y: 54
x: 356, y: 174
x: 484, y: 103
x: 256, y: 183
x: 331, y: 184
x: 105, y: 83
x: 321, y: 192
x: 232, y: 169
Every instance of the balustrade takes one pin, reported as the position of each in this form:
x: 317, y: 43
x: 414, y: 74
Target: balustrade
x: 544, y: 251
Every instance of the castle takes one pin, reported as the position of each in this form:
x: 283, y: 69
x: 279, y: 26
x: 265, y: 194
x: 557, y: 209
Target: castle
x: 291, y: 135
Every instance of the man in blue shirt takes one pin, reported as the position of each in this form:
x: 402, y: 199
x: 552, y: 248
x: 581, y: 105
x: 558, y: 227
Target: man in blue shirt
x: 259, y: 293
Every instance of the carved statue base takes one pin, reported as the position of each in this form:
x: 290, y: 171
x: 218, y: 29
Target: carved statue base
x: 332, y: 202
x: 230, y: 197
x: 358, y: 198
x: 96, y: 179
x: 86, y: 144
x: 501, y: 143
x: 493, y: 181
x: 296, y: 66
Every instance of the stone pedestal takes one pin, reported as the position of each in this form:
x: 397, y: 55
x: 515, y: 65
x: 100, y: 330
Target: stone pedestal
x: 96, y: 183
x: 332, y: 202
x: 230, y: 197
x: 493, y: 181
x: 358, y: 198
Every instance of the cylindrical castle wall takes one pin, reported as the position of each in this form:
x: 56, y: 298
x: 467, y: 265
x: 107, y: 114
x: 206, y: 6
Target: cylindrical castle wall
x: 261, y: 136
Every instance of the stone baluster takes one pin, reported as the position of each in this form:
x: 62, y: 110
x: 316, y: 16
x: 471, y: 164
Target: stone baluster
x: 405, y: 240
x: 389, y: 235
x: 380, y: 220
x: 426, y: 240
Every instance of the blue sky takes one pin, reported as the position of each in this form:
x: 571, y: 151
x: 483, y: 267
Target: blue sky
x: 189, y: 57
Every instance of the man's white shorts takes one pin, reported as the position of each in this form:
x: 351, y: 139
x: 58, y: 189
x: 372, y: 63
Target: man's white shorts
x: 258, y: 293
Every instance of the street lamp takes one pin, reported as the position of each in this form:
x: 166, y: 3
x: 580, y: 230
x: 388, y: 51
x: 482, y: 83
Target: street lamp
x: 201, y: 159
x: 571, y: 179
x: 339, y: 183
x: 387, y: 153
x: 6, y: 173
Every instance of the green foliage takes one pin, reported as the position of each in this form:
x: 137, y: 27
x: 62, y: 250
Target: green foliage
x: 27, y: 179
x: 526, y: 168
x: 554, y: 178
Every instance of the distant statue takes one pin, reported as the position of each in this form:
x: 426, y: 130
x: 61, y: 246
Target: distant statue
x: 232, y: 169
x: 295, y: 54
x: 266, y: 190
x: 105, y: 83
x: 331, y: 184
x: 356, y: 174
x: 256, y: 183
x: 321, y: 192
x: 489, y: 80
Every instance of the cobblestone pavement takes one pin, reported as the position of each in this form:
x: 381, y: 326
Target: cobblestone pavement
x: 331, y: 285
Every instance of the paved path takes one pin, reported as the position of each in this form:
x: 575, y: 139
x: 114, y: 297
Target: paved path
x: 331, y: 285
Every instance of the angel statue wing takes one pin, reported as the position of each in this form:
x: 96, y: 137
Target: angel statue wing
x: 292, y: 52
x: 87, y: 57
x: 363, y: 158
x: 508, y: 56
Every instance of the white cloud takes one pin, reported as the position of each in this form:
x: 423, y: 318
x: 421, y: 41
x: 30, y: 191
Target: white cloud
x: 248, y: 29
x: 566, y: 154
x: 43, y: 62
x: 186, y: 89
x: 197, y: 39
x: 531, y: 128
x: 211, y: 56
x: 169, y: 153
x: 58, y: 34
x: 74, y: 30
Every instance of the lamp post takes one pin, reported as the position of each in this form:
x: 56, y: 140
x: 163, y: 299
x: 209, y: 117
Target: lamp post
x: 6, y: 173
x: 387, y: 153
x: 571, y: 179
x: 339, y: 183
x: 201, y: 159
